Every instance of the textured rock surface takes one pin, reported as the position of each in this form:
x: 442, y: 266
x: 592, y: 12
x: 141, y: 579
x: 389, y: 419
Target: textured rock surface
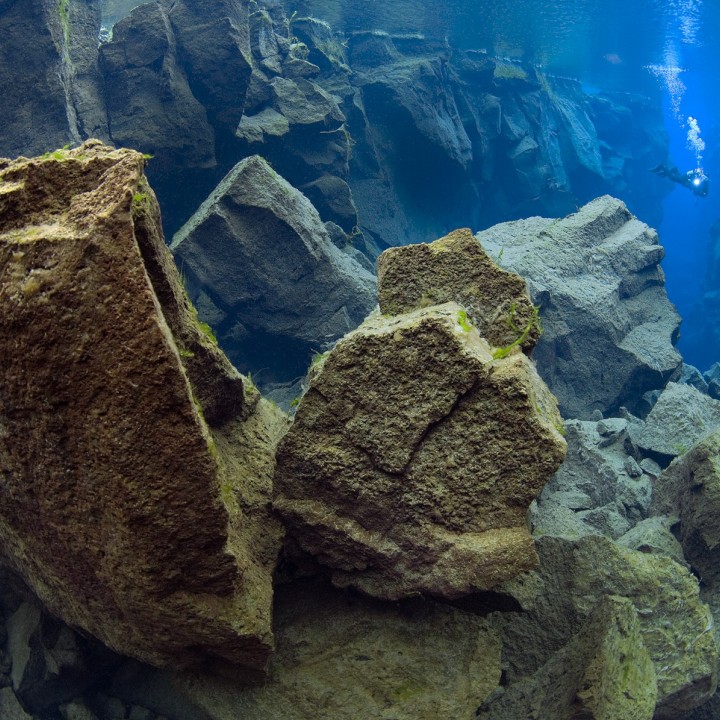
x: 561, y: 595
x: 51, y: 87
x: 344, y: 658
x: 689, y: 489
x: 681, y: 417
x: 609, y: 327
x: 598, y: 490
x: 258, y: 252
x: 149, y: 99
x: 126, y: 513
x: 456, y: 268
x: 603, y: 673
x: 414, y: 455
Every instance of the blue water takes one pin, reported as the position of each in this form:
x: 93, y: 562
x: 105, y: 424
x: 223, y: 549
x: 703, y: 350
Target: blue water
x: 640, y: 46
x: 620, y: 45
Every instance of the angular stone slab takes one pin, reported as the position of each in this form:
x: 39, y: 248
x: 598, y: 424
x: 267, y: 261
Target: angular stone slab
x: 258, y: 251
x: 608, y: 327
x: 122, y: 508
x: 414, y: 456
x: 456, y: 268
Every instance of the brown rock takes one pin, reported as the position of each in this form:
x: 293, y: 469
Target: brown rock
x: 456, y: 268
x: 414, y: 456
x: 126, y: 513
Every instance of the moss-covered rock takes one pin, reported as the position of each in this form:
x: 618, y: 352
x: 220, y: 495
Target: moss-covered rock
x: 457, y: 268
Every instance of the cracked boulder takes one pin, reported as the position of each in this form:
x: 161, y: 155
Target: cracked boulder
x: 414, y: 456
x: 264, y: 272
x: 136, y: 462
x: 609, y: 328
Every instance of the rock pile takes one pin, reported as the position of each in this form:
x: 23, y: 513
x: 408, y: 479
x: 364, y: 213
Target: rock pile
x: 417, y: 448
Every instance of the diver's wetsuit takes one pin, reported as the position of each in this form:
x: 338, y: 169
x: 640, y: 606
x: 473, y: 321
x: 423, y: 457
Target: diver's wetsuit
x: 695, y: 180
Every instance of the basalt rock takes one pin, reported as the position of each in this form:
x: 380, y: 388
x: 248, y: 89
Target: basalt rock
x: 136, y: 461
x: 51, y: 85
x: 681, y: 417
x: 689, y: 490
x: 263, y: 270
x: 414, y: 456
x: 609, y: 328
x: 457, y: 268
x: 343, y: 657
x: 562, y: 595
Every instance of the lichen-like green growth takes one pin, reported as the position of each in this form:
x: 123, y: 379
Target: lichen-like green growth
x: 534, y: 322
x: 64, y: 14
x: 317, y: 358
x: 295, y: 402
x: 185, y: 353
x: 462, y: 318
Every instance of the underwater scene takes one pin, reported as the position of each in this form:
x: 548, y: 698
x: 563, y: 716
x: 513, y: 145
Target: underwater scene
x: 359, y: 360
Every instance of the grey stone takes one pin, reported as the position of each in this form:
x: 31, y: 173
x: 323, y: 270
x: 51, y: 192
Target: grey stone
x: 650, y: 467
x: 78, y: 710
x: 609, y: 328
x: 594, y: 483
x: 654, y: 535
x: 301, y: 295
x: 10, y: 708
x: 150, y: 102
x: 603, y: 673
x: 632, y: 468
x: 692, y: 376
x: 559, y: 597
x: 681, y: 417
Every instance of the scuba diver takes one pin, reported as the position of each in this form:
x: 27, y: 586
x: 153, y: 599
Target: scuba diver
x: 696, y: 180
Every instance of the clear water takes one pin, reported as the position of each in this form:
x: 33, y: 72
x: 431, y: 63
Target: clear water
x: 648, y: 46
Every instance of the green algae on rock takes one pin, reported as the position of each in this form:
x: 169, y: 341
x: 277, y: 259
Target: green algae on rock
x: 115, y: 445
x: 414, y: 456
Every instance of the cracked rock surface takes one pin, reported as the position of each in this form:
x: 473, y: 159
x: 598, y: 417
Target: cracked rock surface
x: 414, y: 456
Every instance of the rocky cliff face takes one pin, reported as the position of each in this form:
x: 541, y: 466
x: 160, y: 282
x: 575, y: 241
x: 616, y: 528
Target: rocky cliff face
x: 425, y: 138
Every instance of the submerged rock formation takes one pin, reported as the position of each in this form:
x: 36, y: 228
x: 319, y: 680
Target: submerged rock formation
x: 344, y: 658
x: 136, y: 461
x: 564, y: 593
x: 417, y: 449
x: 609, y: 328
x: 263, y: 270
x: 457, y: 268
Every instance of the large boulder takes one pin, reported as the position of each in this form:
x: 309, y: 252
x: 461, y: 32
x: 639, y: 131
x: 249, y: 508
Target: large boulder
x: 561, y: 596
x: 263, y: 270
x: 603, y: 673
x: 343, y: 657
x: 609, y: 328
x: 689, y: 490
x: 135, y: 506
x: 681, y: 417
x: 414, y: 456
